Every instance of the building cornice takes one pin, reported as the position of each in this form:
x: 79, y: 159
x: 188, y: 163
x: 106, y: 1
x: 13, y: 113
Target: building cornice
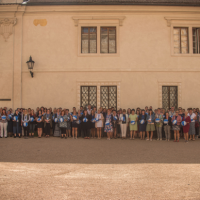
x: 116, y: 2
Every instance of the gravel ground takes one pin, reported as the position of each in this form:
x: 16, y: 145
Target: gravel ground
x: 54, y: 168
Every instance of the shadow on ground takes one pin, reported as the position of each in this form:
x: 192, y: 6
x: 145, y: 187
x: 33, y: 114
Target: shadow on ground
x: 93, y: 151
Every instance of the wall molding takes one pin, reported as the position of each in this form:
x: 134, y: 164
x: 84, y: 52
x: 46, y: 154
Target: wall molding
x: 178, y: 84
x: 77, y: 19
x: 171, y: 19
x: 6, y: 27
x: 98, y: 84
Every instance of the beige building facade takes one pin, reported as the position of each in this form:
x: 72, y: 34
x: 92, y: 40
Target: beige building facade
x: 153, y: 49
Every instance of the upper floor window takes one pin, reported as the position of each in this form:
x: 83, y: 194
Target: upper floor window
x: 181, y: 40
x: 108, y: 40
x: 196, y: 40
x: 88, y: 40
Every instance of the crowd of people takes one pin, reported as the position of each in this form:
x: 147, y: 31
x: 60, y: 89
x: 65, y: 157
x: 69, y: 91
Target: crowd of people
x: 92, y: 123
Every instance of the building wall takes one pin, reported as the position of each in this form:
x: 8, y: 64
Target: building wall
x: 143, y: 63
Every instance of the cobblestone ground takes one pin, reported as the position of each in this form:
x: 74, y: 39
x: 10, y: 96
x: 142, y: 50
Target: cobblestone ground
x: 54, y: 168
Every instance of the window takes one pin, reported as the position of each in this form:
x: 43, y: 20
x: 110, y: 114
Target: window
x: 196, y: 40
x: 88, y: 40
x: 108, y: 40
x: 88, y: 96
x: 109, y: 96
x: 181, y: 40
x: 169, y: 97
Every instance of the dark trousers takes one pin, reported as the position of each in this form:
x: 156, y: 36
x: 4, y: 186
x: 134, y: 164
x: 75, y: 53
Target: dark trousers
x: 47, y: 129
x: 86, y: 132
x: 25, y: 131
x: 63, y: 130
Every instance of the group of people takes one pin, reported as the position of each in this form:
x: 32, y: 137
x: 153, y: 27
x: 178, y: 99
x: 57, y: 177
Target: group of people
x: 91, y: 123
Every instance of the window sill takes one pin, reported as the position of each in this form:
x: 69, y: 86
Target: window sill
x: 185, y: 55
x: 99, y: 55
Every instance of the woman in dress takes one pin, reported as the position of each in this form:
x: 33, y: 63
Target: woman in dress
x: 128, y: 128
x: 63, y: 124
x: 99, y: 122
x: 186, y: 128
x: 10, y: 124
x: 193, y: 117
x: 142, y: 124
x: 68, y: 117
x: 39, y: 120
x: 92, y: 123
x: 137, y: 133
x: 75, y: 123
x: 16, y: 124
x: 114, y: 123
x: 150, y: 124
x: 133, y: 127
x: 108, y: 124
x: 176, y: 126
x: 47, y: 123
x: 167, y: 123
x: 124, y: 123
x: 85, y: 124
x: 4, y: 123
x: 32, y: 123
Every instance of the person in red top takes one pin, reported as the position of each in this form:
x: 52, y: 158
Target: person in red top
x: 186, y: 128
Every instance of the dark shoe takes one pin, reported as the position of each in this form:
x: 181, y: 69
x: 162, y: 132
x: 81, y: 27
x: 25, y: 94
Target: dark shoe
x: 5, y: 137
x: 65, y: 137
x: 14, y: 136
x: 20, y: 136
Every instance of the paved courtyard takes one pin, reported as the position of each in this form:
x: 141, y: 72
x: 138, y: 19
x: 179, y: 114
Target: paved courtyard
x: 54, y: 168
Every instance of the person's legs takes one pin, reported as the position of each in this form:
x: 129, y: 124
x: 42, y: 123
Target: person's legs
x: 143, y: 135
x: 121, y: 126
x: 175, y: 136
x: 108, y: 135
x: 158, y: 133
x: 131, y: 134
x: 147, y: 135
x: 5, y: 129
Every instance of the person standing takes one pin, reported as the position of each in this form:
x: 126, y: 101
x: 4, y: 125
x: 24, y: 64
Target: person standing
x: 10, y: 124
x: 176, y: 126
x: 85, y: 124
x: 108, y: 124
x: 186, y: 128
x: 75, y: 123
x: 133, y: 126
x: 39, y: 123
x: 167, y: 126
x: 32, y: 123
x: 47, y: 123
x: 68, y: 117
x: 99, y: 118
x: 124, y: 123
x: 114, y: 123
x: 92, y: 124
x: 63, y: 124
x: 150, y: 124
x: 24, y: 122
x: 142, y: 124
x: 193, y: 117
x: 159, y: 124
x: 4, y: 123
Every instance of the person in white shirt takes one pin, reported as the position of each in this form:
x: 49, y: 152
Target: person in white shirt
x: 89, y: 110
x: 192, y: 124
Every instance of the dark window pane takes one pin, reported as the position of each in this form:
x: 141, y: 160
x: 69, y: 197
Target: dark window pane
x: 108, y: 40
x: 88, y: 40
